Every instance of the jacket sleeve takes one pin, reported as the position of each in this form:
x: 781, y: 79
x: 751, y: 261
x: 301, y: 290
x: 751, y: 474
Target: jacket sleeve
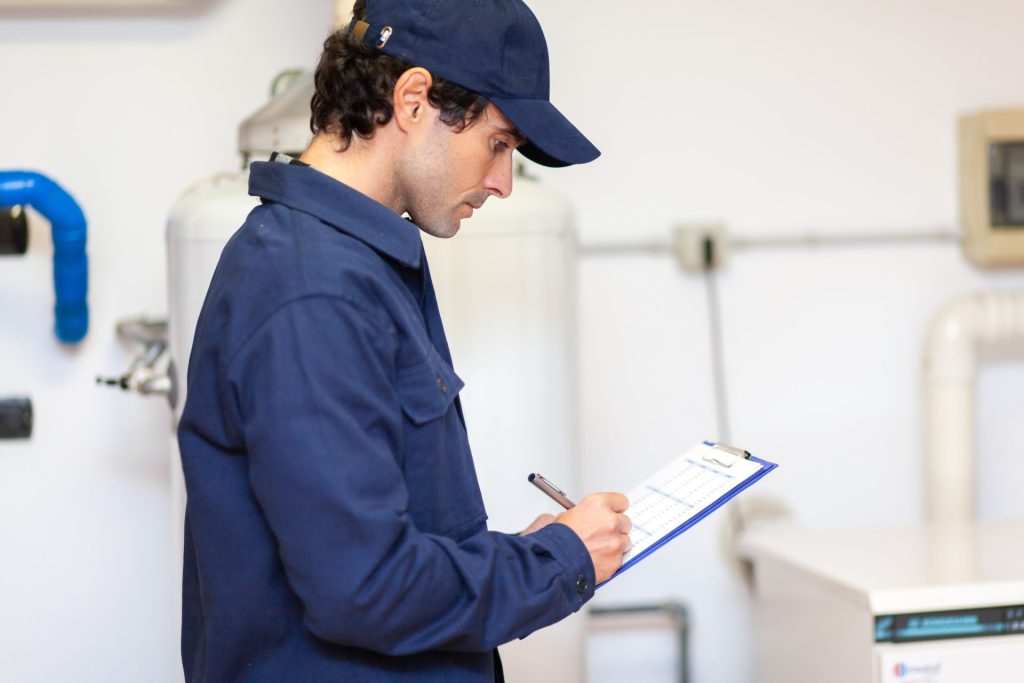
x: 315, y: 390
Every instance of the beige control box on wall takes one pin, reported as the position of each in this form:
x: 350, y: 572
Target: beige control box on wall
x: 992, y: 187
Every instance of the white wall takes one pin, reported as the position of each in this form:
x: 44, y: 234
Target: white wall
x: 770, y: 116
x: 125, y: 112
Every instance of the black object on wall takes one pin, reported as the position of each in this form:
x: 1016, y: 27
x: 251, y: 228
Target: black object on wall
x: 15, y: 418
x: 13, y: 230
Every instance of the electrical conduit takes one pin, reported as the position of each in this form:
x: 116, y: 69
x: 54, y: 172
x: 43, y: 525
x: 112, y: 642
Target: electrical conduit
x: 70, y: 265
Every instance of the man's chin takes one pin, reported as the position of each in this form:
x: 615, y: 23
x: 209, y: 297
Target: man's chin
x: 443, y: 232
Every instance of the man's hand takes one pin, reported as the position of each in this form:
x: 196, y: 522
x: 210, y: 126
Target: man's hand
x: 538, y: 523
x: 599, y: 522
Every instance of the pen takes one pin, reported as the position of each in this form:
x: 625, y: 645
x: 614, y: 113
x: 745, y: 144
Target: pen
x: 556, y: 494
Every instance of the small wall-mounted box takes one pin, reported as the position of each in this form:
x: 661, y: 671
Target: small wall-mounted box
x: 992, y: 187
x: 15, y: 418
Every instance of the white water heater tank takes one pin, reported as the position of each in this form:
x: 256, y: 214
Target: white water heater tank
x: 198, y: 227
x: 506, y: 286
x: 506, y: 289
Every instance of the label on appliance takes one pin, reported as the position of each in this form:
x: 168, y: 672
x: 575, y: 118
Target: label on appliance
x: 913, y: 670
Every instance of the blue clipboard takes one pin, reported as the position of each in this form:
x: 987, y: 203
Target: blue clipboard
x: 741, y: 485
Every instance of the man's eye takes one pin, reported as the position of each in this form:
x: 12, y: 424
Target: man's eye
x: 499, y: 146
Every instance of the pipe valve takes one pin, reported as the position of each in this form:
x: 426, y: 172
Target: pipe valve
x: 150, y: 372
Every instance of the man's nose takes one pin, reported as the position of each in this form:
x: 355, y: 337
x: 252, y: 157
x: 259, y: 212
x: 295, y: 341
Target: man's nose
x: 498, y: 181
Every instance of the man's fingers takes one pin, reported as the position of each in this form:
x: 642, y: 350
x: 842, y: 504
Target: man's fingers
x: 625, y: 524
x: 617, y: 501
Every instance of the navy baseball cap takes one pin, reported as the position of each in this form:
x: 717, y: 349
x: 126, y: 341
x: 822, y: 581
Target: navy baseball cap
x: 493, y: 47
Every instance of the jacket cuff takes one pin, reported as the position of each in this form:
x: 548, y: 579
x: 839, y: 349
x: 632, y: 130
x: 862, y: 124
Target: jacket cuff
x: 571, y: 554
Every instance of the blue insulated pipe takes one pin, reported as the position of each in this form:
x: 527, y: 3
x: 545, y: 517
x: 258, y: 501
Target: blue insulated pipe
x: 70, y: 266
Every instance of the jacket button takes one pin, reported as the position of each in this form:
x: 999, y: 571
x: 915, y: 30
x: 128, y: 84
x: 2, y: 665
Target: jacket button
x: 582, y: 585
x: 441, y: 385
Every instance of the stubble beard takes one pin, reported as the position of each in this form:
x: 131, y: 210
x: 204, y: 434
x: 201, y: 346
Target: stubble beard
x: 425, y: 177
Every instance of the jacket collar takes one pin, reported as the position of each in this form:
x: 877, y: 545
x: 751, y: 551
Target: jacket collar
x: 306, y: 189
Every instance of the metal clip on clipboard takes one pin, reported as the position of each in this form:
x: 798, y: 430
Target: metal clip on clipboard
x: 724, y: 454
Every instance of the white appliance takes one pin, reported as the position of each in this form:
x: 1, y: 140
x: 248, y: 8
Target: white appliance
x: 199, y: 225
x: 906, y: 605
x: 506, y: 287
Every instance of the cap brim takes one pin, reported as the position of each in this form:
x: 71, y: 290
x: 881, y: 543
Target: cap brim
x: 551, y: 140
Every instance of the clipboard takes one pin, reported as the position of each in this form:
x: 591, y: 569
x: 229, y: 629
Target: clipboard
x: 684, y: 492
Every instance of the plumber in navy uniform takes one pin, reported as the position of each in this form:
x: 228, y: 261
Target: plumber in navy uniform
x: 335, y: 529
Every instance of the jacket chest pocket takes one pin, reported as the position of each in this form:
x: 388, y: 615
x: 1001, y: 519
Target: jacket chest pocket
x: 428, y: 389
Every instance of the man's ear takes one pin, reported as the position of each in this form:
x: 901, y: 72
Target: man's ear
x: 409, y: 99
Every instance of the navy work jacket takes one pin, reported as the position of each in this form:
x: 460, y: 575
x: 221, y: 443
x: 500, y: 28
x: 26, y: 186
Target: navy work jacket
x: 335, y: 529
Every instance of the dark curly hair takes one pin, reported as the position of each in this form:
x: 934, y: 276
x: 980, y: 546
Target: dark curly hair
x: 354, y: 83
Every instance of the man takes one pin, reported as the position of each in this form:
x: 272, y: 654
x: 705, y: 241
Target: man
x: 335, y: 529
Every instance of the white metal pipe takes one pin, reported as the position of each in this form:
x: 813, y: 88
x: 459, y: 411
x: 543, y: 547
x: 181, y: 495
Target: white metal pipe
x: 957, y: 339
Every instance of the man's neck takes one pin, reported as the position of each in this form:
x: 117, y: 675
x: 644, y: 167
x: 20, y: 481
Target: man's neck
x: 367, y: 166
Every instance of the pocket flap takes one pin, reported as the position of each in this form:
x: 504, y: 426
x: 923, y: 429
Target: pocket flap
x: 427, y: 390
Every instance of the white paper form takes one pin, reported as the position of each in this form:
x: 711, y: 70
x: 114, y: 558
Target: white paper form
x: 679, y: 491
